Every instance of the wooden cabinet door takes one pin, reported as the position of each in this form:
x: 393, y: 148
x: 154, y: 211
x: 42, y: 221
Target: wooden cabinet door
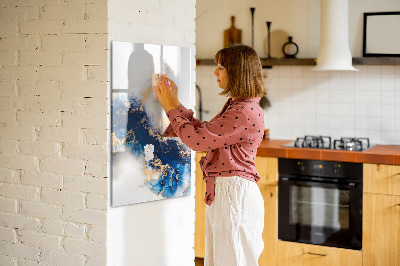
x: 270, y: 233
x: 381, y: 179
x: 267, y: 168
x: 297, y: 254
x: 381, y: 230
x: 200, y: 207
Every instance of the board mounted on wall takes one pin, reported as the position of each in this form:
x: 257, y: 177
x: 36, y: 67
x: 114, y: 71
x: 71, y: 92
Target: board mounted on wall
x: 144, y: 165
x: 381, y: 34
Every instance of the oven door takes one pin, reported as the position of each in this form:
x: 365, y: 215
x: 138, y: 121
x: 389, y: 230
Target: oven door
x: 321, y: 212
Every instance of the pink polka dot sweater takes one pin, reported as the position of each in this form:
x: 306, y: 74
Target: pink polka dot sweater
x: 231, y: 139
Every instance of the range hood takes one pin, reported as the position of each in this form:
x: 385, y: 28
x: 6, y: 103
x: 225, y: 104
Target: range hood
x: 334, y: 51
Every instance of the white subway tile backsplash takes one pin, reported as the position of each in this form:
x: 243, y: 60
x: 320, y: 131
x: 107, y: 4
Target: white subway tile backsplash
x: 322, y: 95
x: 361, y: 123
x: 347, y: 110
x: 322, y: 109
x: 397, y: 110
x: 374, y: 84
x: 388, y: 84
x: 335, y: 95
x: 335, y: 122
x: 374, y: 123
x: 375, y: 136
x: 360, y: 133
x: 284, y: 72
x: 285, y: 132
x: 374, y: 97
x: 388, y: 97
x: 374, y: 111
x: 297, y: 83
x: 348, y: 133
x: 348, y: 77
x: 286, y: 120
x: 361, y: 110
x: 284, y: 83
x: 338, y: 104
x: 388, y: 124
x: 374, y: 70
x: 388, y: 111
x: 322, y: 121
x: 387, y: 72
x: 297, y: 72
x: 297, y: 97
x: 361, y: 97
x: 322, y: 83
x: 309, y: 72
x: 348, y: 96
x: 389, y: 136
x: 310, y: 108
x: 397, y: 72
x: 348, y: 122
x: 334, y: 109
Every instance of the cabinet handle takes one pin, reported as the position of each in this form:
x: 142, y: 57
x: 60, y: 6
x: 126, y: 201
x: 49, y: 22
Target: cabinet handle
x: 318, y: 254
x: 398, y: 204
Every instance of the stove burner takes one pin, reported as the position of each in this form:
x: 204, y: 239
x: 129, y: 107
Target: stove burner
x: 351, y: 144
x: 324, y: 142
x: 308, y: 141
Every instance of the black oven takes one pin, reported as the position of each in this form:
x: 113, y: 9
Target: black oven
x: 320, y: 202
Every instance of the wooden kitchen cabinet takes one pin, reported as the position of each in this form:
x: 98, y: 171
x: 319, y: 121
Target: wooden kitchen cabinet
x: 298, y: 254
x: 381, y: 179
x: 270, y: 233
x: 200, y: 207
x: 381, y: 230
x: 267, y: 168
x: 381, y: 215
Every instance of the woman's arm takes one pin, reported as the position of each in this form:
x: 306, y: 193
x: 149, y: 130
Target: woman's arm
x: 228, y: 129
x: 187, y: 113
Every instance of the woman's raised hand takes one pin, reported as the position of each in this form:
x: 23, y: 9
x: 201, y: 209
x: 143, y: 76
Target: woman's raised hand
x: 174, y: 89
x: 164, y: 94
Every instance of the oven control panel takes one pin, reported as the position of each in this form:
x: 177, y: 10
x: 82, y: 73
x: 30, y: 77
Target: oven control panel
x: 331, y: 169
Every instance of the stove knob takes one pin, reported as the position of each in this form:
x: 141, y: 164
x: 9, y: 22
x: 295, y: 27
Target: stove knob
x: 336, y: 169
x: 301, y: 166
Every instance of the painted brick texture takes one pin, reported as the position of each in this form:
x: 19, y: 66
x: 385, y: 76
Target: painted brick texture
x: 53, y: 132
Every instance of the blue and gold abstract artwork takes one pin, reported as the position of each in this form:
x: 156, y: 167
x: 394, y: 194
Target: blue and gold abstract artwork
x: 144, y: 165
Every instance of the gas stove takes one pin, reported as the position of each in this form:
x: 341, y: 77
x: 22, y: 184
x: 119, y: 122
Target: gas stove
x: 325, y: 142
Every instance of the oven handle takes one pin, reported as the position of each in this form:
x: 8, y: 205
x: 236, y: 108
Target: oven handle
x: 297, y: 181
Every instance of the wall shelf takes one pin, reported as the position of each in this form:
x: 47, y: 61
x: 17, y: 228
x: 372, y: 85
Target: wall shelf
x: 312, y: 61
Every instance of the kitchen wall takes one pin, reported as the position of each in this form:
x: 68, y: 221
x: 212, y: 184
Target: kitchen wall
x: 160, y: 232
x: 339, y: 104
x: 54, y: 135
x: 53, y: 121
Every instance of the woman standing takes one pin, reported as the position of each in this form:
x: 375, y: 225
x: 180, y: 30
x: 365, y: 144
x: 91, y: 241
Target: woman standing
x: 235, y: 207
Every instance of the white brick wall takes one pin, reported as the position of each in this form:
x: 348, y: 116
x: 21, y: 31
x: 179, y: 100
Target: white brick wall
x: 53, y: 128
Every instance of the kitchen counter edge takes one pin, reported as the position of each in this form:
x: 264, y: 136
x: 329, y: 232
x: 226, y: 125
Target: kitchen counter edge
x: 379, y: 154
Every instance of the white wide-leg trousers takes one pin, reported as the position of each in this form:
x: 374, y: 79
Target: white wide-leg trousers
x: 234, y: 223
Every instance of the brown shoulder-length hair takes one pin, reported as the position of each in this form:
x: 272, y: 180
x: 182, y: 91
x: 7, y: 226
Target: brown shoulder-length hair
x: 245, y: 78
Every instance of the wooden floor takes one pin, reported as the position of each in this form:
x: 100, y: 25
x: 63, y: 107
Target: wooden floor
x: 199, y: 262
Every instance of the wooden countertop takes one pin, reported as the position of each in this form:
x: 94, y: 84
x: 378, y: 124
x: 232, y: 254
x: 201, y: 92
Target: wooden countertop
x: 379, y: 154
